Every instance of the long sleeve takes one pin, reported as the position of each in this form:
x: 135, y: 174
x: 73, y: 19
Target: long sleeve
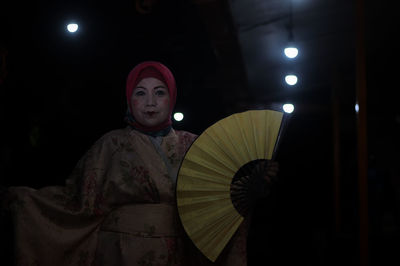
x: 58, y: 225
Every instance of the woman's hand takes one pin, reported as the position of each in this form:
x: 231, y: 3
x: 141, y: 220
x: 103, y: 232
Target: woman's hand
x: 247, y: 189
x: 271, y: 172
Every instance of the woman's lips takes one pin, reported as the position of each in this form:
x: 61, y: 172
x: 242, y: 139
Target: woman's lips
x: 151, y: 113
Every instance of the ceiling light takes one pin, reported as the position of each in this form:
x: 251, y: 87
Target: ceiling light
x: 288, y: 108
x: 72, y: 27
x: 356, y: 107
x: 291, y: 79
x: 178, y: 116
x: 291, y: 52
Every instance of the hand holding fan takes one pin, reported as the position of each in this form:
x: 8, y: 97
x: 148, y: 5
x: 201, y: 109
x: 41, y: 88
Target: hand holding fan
x: 213, y: 180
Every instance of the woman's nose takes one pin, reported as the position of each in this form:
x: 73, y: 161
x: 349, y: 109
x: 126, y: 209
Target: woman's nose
x: 151, y: 100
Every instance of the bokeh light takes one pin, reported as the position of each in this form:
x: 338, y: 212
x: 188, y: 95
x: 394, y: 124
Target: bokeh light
x: 356, y: 107
x: 288, y: 108
x: 291, y: 52
x: 178, y: 116
x: 72, y: 27
x: 291, y: 79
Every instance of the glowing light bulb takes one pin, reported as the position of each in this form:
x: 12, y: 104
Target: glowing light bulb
x: 178, y: 116
x: 291, y: 52
x: 291, y: 79
x: 72, y: 27
x: 288, y: 108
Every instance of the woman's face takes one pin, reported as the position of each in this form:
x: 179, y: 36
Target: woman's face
x: 150, y: 102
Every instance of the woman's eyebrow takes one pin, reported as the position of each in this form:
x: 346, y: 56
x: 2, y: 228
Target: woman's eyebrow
x: 160, y: 86
x: 156, y: 87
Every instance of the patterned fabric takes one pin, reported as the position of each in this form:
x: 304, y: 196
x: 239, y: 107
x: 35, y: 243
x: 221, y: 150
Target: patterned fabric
x: 117, y: 208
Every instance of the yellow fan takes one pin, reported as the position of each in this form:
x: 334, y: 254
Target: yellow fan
x: 204, y: 181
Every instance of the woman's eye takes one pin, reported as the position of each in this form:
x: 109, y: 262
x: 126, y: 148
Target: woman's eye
x: 139, y: 93
x: 161, y: 92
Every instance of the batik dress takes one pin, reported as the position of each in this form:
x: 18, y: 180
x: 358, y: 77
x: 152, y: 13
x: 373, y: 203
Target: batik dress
x: 118, y: 208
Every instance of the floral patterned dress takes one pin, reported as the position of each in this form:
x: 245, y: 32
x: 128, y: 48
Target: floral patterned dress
x: 117, y: 208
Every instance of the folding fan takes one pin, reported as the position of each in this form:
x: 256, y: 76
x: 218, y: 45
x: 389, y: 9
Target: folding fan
x: 212, y: 194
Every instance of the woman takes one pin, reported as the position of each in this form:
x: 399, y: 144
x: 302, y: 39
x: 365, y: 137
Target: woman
x: 118, y: 206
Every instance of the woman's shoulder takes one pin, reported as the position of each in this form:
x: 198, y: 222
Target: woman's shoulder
x: 113, y: 137
x: 120, y: 132
x: 185, y: 137
x: 123, y: 134
x: 185, y: 134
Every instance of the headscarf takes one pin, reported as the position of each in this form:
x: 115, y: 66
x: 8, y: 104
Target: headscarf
x: 161, y: 72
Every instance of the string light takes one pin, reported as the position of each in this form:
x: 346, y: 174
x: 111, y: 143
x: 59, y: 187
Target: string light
x: 291, y: 52
x: 72, y: 27
x: 356, y: 107
x: 288, y: 108
x: 291, y: 79
x: 178, y: 116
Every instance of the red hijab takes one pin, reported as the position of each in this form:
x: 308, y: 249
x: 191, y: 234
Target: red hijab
x: 156, y: 70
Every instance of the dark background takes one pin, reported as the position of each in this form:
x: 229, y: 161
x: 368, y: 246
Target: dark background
x: 60, y: 92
